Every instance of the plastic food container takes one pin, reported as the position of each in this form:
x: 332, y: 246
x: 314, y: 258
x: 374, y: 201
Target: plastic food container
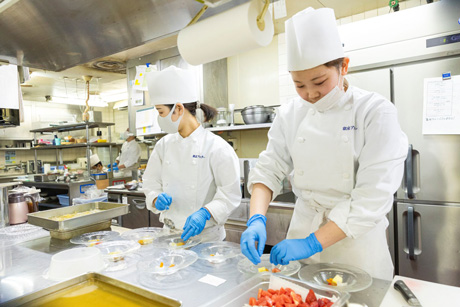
x: 63, y: 199
x: 239, y: 296
x: 73, y: 262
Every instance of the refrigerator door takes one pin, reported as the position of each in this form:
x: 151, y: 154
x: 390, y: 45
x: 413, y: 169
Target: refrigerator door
x: 428, y: 238
x: 138, y: 213
x: 438, y: 161
x: 377, y: 80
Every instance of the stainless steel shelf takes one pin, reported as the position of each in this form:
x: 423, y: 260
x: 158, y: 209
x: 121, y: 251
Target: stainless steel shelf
x: 75, y: 146
x: 72, y: 127
x: 15, y: 148
x: 240, y: 127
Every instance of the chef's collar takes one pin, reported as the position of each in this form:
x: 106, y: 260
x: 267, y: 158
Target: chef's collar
x: 193, y: 136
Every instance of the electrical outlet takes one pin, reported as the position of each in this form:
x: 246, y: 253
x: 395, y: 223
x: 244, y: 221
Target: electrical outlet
x: 233, y: 143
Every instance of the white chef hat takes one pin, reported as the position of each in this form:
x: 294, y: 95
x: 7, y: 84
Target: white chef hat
x: 172, y: 85
x: 312, y: 39
x: 94, y: 159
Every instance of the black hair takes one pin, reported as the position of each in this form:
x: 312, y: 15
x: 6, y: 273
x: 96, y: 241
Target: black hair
x: 337, y: 63
x: 209, y: 112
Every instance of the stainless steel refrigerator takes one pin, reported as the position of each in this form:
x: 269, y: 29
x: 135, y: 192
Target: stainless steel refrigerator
x: 424, y: 231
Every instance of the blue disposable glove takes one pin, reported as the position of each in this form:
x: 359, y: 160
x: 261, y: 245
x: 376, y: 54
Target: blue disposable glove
x: 195, y: 223
x: 163, y: 202
x: 256, y: 231
x: 295, y: 249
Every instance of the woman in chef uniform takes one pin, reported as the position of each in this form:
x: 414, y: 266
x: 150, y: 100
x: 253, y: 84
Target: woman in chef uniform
x: 193, y: 175
x: 342, y: 148
x: 129, y: 155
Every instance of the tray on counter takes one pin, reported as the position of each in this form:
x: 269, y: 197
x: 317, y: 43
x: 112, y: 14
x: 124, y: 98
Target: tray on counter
x: 109, y: 211
x: 239, y: 296
x: 74, y: 290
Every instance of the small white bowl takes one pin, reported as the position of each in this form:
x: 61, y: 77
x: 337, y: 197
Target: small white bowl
x: 74, y: 262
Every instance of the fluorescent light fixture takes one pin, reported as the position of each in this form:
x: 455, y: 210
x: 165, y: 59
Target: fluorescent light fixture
x: 114, y: 96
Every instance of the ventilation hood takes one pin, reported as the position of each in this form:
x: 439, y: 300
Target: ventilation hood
x: 58, y: 34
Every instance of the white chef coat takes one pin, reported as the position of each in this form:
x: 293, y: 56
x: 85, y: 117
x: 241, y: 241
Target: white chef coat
x: 345, y: 162
x: 201, y: 170
x: 129, y: 156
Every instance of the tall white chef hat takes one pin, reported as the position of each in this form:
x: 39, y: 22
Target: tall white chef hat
x: 94, y: 159
x: 312, y: 39
x: 172, y: 85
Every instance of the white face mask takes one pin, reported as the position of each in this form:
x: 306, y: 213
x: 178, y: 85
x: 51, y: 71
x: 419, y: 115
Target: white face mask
x: 166, y: 123
x: 332, y: 97
x: 125, y: 135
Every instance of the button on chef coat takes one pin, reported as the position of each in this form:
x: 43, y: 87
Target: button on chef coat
x: 201, y: 170
x: 352, y: 147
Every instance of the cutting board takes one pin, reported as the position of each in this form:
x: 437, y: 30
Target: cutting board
x: 428, y: 293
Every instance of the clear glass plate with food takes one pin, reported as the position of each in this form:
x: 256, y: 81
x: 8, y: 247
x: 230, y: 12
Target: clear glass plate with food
x: 247, y: 267
x: 164, y: 261
x: 217, y: 251
x: 338, y: 276
x: 144, y: 235
x: 174, y: 241
x: 117, y: 250
x: 94, y: 238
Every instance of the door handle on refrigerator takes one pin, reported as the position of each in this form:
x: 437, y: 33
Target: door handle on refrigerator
x: 140, y: 204
x: 408, y: 168
x: 411, y: 232
x: 246, y: 175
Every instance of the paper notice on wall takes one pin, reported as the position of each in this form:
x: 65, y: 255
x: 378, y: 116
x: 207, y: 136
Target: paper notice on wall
x: 146, y: 121
x: 441, y: 106
x: 137, y: 97
x: 140, y: 82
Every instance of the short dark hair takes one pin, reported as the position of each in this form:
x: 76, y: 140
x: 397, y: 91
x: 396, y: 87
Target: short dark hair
x: 209, y: 112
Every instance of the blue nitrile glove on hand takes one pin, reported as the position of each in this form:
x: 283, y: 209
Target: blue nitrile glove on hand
x: 163, y: 202
x: 195, y: 223
x: 256, y: 231
x: 295, y: 249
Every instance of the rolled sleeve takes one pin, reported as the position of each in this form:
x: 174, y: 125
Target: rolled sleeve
x: 152, y: 183
x: 379, y: 174
x: 226, y: 171
x: 274, y: 163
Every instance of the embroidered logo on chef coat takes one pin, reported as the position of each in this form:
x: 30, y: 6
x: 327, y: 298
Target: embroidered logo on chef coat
x: 349, y: 128
x: 198, y: 156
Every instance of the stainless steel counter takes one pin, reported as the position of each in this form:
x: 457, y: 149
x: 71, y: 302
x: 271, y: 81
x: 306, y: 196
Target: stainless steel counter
x: 22, y: 267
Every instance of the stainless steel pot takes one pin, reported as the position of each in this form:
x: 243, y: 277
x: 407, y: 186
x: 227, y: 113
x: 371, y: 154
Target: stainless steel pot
x: 255, y: 115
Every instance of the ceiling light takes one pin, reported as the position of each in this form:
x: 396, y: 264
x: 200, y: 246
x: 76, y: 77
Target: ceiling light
x: 94, y: 101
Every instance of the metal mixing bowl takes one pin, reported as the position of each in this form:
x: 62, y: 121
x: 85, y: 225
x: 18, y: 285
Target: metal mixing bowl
x: 255, y: 115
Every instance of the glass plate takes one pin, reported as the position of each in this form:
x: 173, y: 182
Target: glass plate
x: 354, y: 279
x: 174, y: 241
x: 93, y: 238
x: 122, y: 264
x: 115, y: 251
x: 163, y: 261
x: 247, y: 267
x: 181, y: 278
x: 144, y: 235
x: 228, y: 266
x: 217, y: 252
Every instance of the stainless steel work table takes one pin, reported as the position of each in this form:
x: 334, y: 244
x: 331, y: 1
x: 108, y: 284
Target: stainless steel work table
x: 22, y: 267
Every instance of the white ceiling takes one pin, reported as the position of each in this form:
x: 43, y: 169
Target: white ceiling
x: 69, y: 83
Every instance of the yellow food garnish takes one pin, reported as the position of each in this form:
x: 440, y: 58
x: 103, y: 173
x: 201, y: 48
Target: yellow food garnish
x: 262, y: 269
x: 212, y: 255
x: 161, y: 265
x: 145, y: 241
x: 172, y: 265
x: 177, y: 244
